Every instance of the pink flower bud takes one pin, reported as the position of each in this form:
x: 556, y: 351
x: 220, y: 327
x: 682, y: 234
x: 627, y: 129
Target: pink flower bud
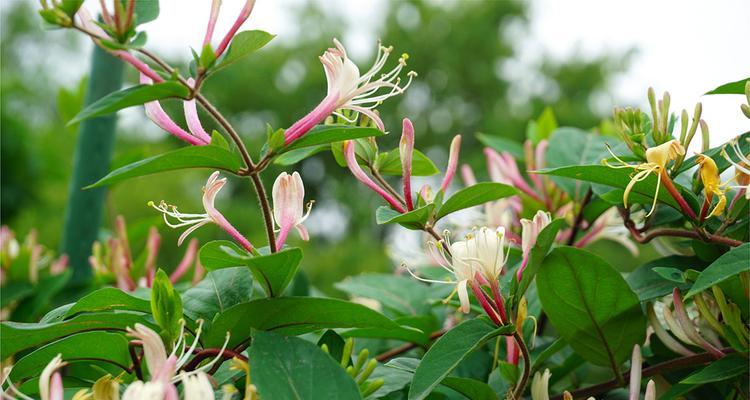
x: 288, y: 206
x: 529, y: 232
x: 244, y: 15
x: 450, y: 171
x: 215, y: 6
x: 351, y: 162
x: 406, y: 151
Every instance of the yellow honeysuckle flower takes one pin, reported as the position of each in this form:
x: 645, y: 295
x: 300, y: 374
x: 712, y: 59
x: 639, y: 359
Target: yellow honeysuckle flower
x: 709, y: 174
x: 742, y: 165
x: 656, y: 162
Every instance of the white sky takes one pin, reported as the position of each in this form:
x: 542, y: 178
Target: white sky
x: 685, y: 47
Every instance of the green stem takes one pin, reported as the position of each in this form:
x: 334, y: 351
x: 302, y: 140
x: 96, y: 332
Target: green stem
x: 91, y: 161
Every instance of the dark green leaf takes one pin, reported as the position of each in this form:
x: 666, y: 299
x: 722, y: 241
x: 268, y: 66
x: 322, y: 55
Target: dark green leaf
x: 295, y: 156
x: 298, y: 315
x: 275, y: 271
x: 213, y: 157
x: 21, y: 336
x: 590, y: 305
x: 132, y: 96
x: 728, y: 265
x: 736, y: 87
x: 243, y: 44
x: 218, y: 291
x: 107, y: 299
x: 389, y: 163
x: 292, y: 368
x: 471, y: 388
x: 326, y: 134
x: 414, y: 219
x: 649, y: 285
x: 112, y: 347
x: 539, y: 251
x: 449, y: 351
x: 219, y: 254
x: 726, y: 368
x: 475, y: 195
x: 572, y: 146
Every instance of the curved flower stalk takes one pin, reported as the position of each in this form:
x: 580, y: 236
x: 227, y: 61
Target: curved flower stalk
x: 288, y: 206
x: 195, y: 221
x: 350, y: 90
x: 529, y: 232
x: 97, y: 33
x: 657, y: 159
x: 197, y: 135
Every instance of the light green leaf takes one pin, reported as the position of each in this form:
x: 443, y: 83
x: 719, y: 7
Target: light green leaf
x: 298, y: 315
x: 213, y: 157
x: 295, y: 156
x: 590, y: 305
x: 243, y: 44
x: 736, y: 87
x: 219, y: 254
x: 292, y: 368
x: 475, y: 195
x: 166, y: 305
x: 327, y: 134
x: 448, y: 351
x: 132, y: 96
x: 146, y: 10
x: 734, y: 262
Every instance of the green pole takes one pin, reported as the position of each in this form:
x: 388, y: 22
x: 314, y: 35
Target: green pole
x: 93, y: 153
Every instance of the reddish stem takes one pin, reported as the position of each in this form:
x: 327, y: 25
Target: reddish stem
x: 676, y: 195
x: 479, y: 294
x: 498, y: 300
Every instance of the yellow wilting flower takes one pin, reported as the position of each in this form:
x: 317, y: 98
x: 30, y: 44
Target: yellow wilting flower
x: 709, y: 174
x: 656, y: 162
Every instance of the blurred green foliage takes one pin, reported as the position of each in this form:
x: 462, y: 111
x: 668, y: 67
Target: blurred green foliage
x: 462, y: 53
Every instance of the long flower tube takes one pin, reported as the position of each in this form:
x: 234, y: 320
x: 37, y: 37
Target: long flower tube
x: 359, y: 173
x: 197, y: 135
x: 406, y: 151
x: 504, y: 169
x: 241, y: 18
x: 450, y: 170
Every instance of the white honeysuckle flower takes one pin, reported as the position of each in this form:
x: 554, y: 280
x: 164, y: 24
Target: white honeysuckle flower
x: 196, y: 386
x: 139, y: 390
x: 153, y: 347
x: 540, y: 385
x: 485, y: 248
x: 288, y: 206
x: 50, y: 381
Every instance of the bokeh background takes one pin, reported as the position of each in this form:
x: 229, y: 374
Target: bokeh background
x: 484, y: 66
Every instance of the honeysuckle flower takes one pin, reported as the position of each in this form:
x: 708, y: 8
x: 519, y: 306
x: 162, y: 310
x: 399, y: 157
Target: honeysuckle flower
x: 485, y: 249
x: 197, y: 135
x: 529, y: 232
x: 742, y: 165
x: 636, y: 366
x: 98, y: 33
x: 350, y: 90
x: 712, y: 186
x: 609, y: 226
x: 503, y: 168
x: 153, y: 347
x: 195, y: 221
x: 50, y: 381
x: 450, y: 170
x: 288, y: 206
x: 196, y: 386
x: 540, y: 385
x: 656, y: 163
x: 351, y: 162
x: 406, y: 152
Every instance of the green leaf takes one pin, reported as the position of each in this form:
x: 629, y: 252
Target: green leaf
x: 736, y: 87
x: 298, y: 315
x: 649, y: 285
x: 389, y: 163
x: 19, y: 336
x: 402, y: 294
x: 292, y: 368
x: 475, y: 195
x: 166, y: 305
x: 725, y: 368
x: 243, y: 44
x: 414, y: 220
x: 618, y: 178
x: 213, y: 157
x: 295, y: 156
x: 731, y: 263
x: 471, y: 388
x: 219, y: 254
x: 502, y: 144
x: 107, y: 299
x: 539, y: 251
x: 448, y: 351
x: 275, y: 271
x: 590, y: 305
x: 146, y: 10
x: 572, y: 146
x: 112, y: 347
x: 218, y: 291
x: 132, y: 96
x: 326, y: 134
